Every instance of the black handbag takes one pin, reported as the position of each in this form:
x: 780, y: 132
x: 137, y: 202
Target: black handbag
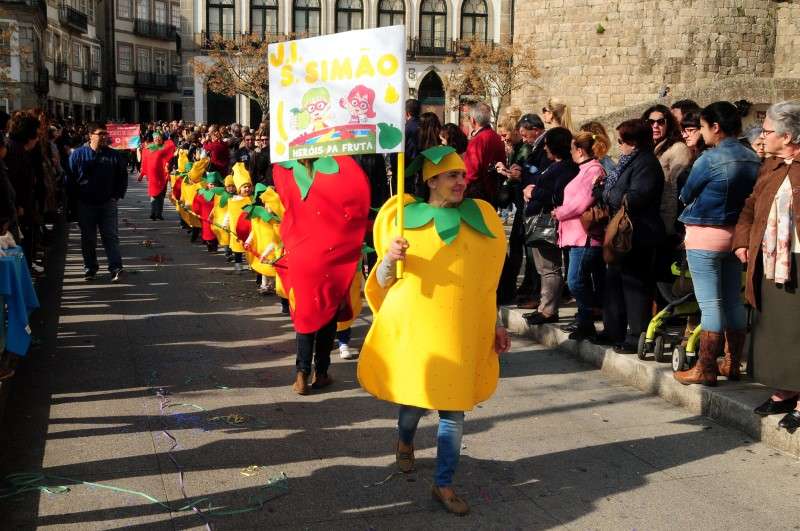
x: 540, y: 229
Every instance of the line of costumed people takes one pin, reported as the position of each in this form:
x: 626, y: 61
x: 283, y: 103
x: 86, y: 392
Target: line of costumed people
x: 436, y: 332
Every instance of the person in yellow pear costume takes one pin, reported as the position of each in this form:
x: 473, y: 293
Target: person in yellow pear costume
x: 436, y: 335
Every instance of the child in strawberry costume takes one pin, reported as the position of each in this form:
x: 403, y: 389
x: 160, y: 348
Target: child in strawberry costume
x: 154, y: 167
x: 203, y: 205
x: 327, y: 203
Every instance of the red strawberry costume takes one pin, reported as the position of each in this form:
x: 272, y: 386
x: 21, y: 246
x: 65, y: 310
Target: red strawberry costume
x: 323, y: 231
x: 154, y: 166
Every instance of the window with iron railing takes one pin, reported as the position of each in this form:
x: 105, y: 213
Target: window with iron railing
x: 433, y: 26
x: 219, y: 18
x: 474, y: 20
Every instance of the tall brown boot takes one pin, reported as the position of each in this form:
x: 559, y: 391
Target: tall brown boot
x: 729, y: 366
x: 705, y: 370
x: 300, y: 383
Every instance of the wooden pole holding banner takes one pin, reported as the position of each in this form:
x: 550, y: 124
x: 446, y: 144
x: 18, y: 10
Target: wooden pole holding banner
x: 401, y: 189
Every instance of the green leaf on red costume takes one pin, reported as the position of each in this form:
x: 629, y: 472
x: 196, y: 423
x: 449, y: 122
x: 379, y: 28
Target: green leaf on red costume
x: 252, y: 210
x: 301, y: 176
x: 326, y: 165
x: 154, y: 147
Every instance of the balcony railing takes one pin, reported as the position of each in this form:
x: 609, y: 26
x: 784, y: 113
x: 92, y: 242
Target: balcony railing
x: 60, y: 73
x: 42, y: 85
x: 90, y: 79
x: 153, y: 81
x: 215, y: 39
x: 72, y: 18
x: 154, y: 30
x: 427, y: 48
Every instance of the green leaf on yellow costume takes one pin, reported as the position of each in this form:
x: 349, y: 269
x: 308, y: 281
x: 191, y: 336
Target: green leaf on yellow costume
x: 446, y: 220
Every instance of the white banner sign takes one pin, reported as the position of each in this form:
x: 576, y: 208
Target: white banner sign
x: 339, y: 94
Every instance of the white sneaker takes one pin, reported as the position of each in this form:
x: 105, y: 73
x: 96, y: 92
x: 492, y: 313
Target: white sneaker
x: 346, y: 353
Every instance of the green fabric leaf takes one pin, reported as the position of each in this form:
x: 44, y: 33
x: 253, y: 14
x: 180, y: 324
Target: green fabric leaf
x: 447, y: 222
x: 417, y: 214
x: 326, y: 165
x: 260, y: 189
x: 437, y: 153
x: 252, y: 210
x: 223, y: 198
x: 471, y: 214
x: 153, y: 147
x: 208, y: 195
x: 301, y: 176
x: 389, y: 136
x: 213, y: 177
x: 415, y: 166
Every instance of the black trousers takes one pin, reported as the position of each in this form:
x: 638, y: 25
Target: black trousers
x: 628, y: 298
x: 316, y: 347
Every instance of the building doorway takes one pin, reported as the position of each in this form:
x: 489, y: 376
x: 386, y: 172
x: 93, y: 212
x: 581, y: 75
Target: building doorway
x: 221, y: 108
x: 431, y: 94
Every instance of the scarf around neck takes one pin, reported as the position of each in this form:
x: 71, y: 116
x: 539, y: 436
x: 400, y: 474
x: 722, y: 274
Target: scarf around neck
x: 776, y: 246
x: 613, y: 177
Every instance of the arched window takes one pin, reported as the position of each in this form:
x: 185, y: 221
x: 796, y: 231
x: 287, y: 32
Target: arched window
x: 474, y: 20
x: 306, y: 17
x: 391, y: 13
x: 264, y: 17
x: 349, y: 15
x: 433, y: 26
x: 219, y: 17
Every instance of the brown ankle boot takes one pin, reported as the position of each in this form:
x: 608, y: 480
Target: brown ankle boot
x: 729, y: 366
x: 300, y: 383
x: 321, y: 381
x: 705, y: 370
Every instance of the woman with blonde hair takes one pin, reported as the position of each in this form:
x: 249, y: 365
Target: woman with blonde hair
x: 557, y: 114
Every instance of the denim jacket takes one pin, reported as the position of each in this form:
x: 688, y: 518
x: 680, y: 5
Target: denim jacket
x: 720, y: 181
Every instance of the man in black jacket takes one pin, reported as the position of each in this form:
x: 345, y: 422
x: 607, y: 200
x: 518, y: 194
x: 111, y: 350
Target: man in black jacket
x: 101, y: 178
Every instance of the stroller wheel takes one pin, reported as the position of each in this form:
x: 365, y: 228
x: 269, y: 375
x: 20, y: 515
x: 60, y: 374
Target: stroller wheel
x: 641, y: 348
x: 658, y: 350
x: 679, y: 359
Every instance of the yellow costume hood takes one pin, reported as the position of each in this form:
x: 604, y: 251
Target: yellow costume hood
x: 198, y: 171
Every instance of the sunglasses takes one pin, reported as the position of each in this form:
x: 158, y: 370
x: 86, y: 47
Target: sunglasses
x: 660, y: 121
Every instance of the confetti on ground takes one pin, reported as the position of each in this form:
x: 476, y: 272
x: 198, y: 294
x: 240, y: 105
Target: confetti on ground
x: 252, y: 470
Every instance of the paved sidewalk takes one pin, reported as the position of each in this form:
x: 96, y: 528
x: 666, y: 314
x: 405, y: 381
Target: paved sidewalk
x: 185, y: 347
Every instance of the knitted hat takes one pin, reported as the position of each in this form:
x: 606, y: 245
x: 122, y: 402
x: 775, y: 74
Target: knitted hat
x: 198, y: 170
x: 241, y: 176
x: 228, y: 181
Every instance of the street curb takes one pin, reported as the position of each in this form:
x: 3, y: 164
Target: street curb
x: 730, y: 404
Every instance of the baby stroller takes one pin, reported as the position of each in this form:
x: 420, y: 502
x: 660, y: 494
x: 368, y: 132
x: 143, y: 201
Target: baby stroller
x: 667, y: 328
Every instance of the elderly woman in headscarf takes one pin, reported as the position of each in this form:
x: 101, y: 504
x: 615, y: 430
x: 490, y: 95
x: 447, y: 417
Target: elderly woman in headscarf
x: 766, y: 239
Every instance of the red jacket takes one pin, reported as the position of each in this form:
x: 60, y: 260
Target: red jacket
x: 484, y: 150
x: 219, y: 155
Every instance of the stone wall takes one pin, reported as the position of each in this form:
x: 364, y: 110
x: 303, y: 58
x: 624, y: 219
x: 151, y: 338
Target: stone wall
x: 602, y: 56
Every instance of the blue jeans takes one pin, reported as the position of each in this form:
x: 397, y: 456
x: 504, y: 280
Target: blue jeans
x: 343, y: 337
x: 583, y: 263
x: 103, y: 217
x: 717, y: 279
x: 448, y: 439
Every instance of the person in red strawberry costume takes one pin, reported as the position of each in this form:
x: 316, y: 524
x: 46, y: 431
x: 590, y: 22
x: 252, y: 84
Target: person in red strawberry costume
x: 154, y: 166
x: 327, y: 202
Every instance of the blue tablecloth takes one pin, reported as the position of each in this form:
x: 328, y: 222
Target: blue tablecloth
x: 16, y: 287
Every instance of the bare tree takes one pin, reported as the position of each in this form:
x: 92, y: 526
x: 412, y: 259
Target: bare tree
x: 237, y: 66
x: 491, y: 71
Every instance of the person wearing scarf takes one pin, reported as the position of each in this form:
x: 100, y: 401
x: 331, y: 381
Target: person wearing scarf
x: 766, y: 239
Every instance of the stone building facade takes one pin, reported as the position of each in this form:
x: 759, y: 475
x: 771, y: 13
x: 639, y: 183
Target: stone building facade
x: 608, y: 56
x: 433, y: 29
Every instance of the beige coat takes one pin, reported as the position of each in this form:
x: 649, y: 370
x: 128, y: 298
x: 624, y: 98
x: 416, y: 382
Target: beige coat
x: 674, y: 161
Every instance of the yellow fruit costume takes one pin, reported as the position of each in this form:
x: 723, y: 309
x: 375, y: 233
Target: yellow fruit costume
x: 431, y: 344
x: 236, y: 203
x: 183, y: 168
x: 355, y: 300
x: 264, y: 242
x: 191, y: 184
x: 220, y: 212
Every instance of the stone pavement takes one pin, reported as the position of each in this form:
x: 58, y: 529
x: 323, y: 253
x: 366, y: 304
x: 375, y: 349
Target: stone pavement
x: 185, y: 347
